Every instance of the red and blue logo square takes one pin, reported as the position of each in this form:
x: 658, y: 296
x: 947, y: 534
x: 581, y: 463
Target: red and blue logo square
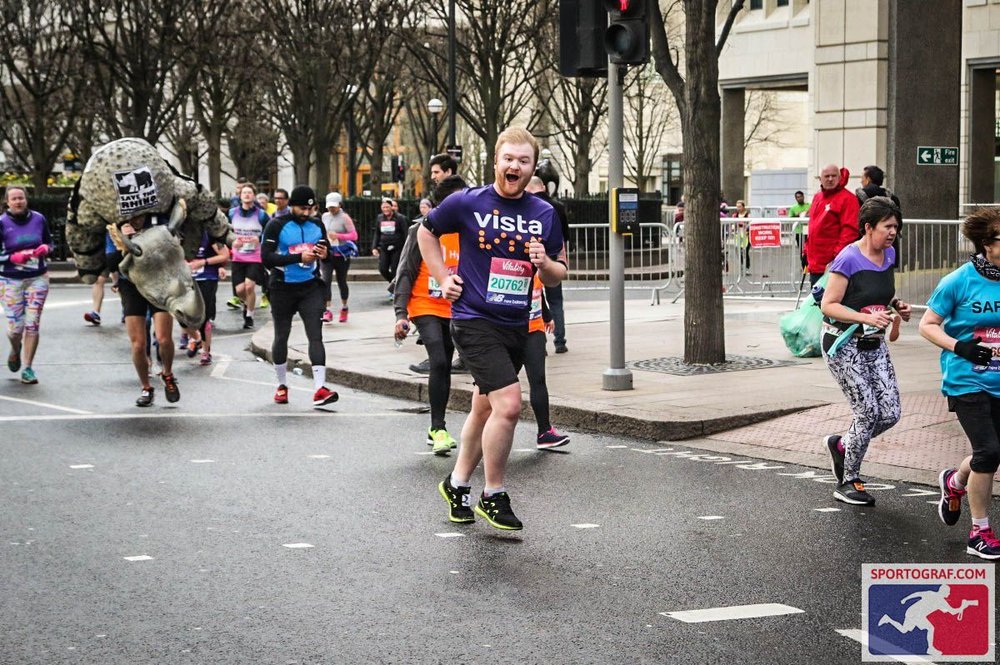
x: 944, y: 612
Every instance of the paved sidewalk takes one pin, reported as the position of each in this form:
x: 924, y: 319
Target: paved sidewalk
x: 778, y: 413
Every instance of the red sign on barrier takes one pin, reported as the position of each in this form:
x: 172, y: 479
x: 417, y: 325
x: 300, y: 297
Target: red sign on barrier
x: 765, y: 234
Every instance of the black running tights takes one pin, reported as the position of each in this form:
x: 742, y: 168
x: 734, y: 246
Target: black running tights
x: 436, y: 334
x: 534, y: 368
x: 308, y: 300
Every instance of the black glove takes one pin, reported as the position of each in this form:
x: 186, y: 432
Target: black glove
x: 974, y: 352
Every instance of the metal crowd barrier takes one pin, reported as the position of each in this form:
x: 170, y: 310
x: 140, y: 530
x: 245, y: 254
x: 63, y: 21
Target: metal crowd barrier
x: 758, y: 257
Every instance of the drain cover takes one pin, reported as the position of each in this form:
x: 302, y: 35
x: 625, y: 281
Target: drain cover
x: 678, y: 367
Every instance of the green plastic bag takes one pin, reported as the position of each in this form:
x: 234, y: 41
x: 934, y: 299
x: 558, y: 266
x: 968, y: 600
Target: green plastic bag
x: 802, y: 329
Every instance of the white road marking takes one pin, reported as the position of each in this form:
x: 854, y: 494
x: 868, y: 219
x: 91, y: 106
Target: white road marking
x: 81, y: 466
x: 453, y: 572
x: 297, y: 546
x: 141, y: 557
x: 585, y: 526
x: 77, y: 303
x: 827, y: 510
x: 615, y: 447
x: 525, y: 450
x: 45, y: 405
x: 450, y: 535
x: 913, y: 491
x: 202, y: 461
x: 187, y: 416
x: 319, y: 457
x: 734, y: 612
x: 935, y: 502
x: 711, y: 517
x: 857, y: 636
x: 652, y: 452
x: 424, y: 452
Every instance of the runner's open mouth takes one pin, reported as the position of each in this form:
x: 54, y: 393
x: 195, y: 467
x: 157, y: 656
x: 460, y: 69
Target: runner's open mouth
x: 512, y: 178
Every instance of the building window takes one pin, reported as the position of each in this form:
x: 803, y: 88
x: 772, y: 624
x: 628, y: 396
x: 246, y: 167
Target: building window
x: 672, y: 178
x: 756, y: 4
x: 782, y: 3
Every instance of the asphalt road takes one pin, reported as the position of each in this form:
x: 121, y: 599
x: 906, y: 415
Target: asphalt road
x: 270, y: 534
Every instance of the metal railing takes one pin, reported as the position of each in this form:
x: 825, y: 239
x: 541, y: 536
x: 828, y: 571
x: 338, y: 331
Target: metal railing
x: 927, y: 250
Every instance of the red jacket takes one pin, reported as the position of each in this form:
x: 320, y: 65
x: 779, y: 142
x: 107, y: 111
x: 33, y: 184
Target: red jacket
x: 833, y: 224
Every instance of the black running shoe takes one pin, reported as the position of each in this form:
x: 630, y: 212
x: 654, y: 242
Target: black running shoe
x: 496, y: 510
x: 458, y: 501
x: 423, y: 367
x: 145, y: 397
x: 853, y: 492
x: 836, y: 457
x: 247, y: 323
x: 458, y: 367
x: 950, y: 505
x: 170, y: 388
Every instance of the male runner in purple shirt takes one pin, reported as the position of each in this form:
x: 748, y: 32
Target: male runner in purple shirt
x: 506, y: 235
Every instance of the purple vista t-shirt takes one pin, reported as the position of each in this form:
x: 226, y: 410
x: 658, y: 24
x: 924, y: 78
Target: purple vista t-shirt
x: 493, y: 263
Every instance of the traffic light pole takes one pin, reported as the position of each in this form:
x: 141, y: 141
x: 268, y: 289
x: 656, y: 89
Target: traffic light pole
x: 616, y: 377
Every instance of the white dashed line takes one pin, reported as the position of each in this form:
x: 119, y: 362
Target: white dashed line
x: 858, y: 636
x: 297, y: 546
x: 450, y: 535
x: 711, y: 517
x: 202, y: 461
x: 319, y: 457
x: 141, y: 557
x: 525, y: 450
x: 585, y: 526
x: 913, y: 491
x: 735, y: 612
x: 42, y: 404
x: 615, y: 447
x: 424, y: 452
x: 827, y: 510
x: 81, y: 466
x: 85, y: 415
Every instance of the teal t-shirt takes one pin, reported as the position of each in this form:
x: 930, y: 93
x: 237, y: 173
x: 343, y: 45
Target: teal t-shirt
x: 970, y: 306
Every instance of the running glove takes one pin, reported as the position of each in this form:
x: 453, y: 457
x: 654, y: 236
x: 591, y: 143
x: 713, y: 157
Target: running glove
x: 41, y: 250
x: 975, y: 353
x: 20, y: 258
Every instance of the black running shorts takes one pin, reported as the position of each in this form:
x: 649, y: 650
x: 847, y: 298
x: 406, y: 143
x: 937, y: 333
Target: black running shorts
x: 133, y: 302
x: 252, y: 271
x: 208, y: 288
x: 494, y: 354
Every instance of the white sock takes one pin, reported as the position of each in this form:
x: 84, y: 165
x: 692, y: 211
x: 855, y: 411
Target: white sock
x: 981, y: 524
x: 282, y: 372
x: 319, y: 376
x: 455, y: 482
x: 249, y: 312
x: 955, y: 483
x: 488, y: 492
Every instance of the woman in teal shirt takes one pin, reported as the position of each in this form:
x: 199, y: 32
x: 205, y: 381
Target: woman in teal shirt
x: 963, y: 318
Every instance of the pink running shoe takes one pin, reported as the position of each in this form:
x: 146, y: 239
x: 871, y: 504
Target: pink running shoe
x: 327, y: 316
x: 343, y: 315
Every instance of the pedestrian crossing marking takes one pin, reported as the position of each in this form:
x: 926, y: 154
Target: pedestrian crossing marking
x: 734, y: 612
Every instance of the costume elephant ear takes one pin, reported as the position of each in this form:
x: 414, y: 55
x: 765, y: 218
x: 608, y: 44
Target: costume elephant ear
x: 177, y: 215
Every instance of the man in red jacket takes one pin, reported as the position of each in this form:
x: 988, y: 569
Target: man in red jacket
x: 833, y: 220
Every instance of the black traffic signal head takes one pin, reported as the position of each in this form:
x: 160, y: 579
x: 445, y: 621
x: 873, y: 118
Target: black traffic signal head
x: 582, y: 24
x: 627, y: 36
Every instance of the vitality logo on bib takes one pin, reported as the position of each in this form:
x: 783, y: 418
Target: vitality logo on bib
x: 937, y: 610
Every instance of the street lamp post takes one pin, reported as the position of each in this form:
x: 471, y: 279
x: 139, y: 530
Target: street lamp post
x: 452, y: 102
x: 352, y: 148
x: 435, y: 106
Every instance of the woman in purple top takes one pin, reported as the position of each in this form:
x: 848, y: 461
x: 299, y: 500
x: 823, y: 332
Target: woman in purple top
x: 25, y: 241
x: 858, y: 306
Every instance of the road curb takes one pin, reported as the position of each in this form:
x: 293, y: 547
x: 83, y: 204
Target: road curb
x: 567, y: 416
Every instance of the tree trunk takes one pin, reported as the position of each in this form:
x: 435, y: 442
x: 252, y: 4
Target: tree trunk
x: 214, y: 140
x: 301, y: 155
x: 581, y: 167
x: 704, y: 326
x: 376, y: 166
x: 323, y: 151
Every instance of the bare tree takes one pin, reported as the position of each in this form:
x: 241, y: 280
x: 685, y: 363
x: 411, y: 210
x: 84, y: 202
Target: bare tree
x: 40, y: 84
x: 499, y: 58
x: 696, y: 93
x: 143, y: 54
x: 762, y: 125
x: 253, y: 142
x: 652, y: 118
x: 182, y: 141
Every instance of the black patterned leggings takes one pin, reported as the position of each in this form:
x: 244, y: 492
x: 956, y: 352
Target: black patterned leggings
x: 868, y: 380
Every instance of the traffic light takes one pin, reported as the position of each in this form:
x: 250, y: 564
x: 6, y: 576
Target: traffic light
x: 581, y: 39
x: 627, y: 36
